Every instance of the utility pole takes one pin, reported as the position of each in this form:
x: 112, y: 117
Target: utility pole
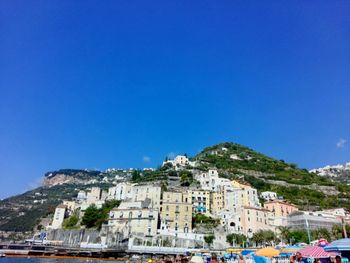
x: 344, y: 228
x: 308, y: 230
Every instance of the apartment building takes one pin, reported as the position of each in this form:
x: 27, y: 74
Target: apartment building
x: 176, y: 212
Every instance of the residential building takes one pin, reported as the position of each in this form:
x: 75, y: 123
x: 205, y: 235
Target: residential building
x: 142, y: 192
x: 280, y: 209
x: 253, y: 219
x: 121, y: 191
x: 211, y: 181
x: 217, y: 202
x: 268, y: 195
x: 134, y: 218
x: 179, y: 161
x: 200, y: 201
x: 93, y: 195
x: 248, y: 196
x: 176, y: 212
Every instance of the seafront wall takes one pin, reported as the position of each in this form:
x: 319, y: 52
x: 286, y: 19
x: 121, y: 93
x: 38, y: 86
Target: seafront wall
x: 73, y: 238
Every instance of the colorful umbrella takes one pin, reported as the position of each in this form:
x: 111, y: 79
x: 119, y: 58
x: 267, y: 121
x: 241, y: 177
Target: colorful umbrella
x: 267, y: 252
x: 315, y: 252
x: 246, y: 252
x: 291, y: 249
x: 339, y: 245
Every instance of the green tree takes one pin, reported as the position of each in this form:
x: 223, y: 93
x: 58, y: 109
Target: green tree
x: 91, y: 216
x: 284, y: 233
x: 209, y: 239
x: 70, y: 222
x: 236, y: 239
x: 186, y: 178
x: 262, y: 237
x: 136, y: 175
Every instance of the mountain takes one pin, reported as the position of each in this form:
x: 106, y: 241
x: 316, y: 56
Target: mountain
x: 306, y: 189
x: 23, y: 212
x: 340, y: 172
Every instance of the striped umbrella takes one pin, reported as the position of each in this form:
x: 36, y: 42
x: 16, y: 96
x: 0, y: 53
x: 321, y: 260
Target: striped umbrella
x: 339, y: 245
x: 315, y: 252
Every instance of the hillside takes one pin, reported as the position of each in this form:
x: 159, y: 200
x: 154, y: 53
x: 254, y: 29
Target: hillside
x: 305, y: 189
x: 23, y: 212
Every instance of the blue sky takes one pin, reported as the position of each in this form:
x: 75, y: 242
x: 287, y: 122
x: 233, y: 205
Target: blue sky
x: 91, y: 84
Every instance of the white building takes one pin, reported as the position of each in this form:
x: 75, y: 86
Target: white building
x: 134, y: 218
x: 121, y: 191
x: 268, y: 195
x: 212, y: 182
x: 179, y: 161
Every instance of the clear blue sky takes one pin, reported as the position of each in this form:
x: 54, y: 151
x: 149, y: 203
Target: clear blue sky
x: 91, y: 84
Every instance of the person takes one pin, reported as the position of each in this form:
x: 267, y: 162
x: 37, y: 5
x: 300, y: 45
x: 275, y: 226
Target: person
x: 299, y: 258
x: 337, y: 259
x: 317, y: 260
x: 241, y: 259
x: 214, y: 259
x: 222, y: 260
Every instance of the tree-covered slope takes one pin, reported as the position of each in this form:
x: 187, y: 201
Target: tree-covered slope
x: 307, y: 190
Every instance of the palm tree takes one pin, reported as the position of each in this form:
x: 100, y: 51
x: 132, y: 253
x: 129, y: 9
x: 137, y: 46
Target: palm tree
x: 284, y: 233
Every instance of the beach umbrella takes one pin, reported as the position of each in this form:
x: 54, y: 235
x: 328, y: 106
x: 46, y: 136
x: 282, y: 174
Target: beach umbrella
x: 322, y: 242
x: 196, y: 259
x: 259, y: 259
x: 291, y: 249
x: 285, y: 254
x: 339, y: 245
x: 234, y: 250
x: 246, y: 252
x: 267, y: 252
x: 315, y: 252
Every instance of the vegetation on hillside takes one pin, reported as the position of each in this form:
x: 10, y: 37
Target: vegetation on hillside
x: 95, y: 217
x: 234, y: 159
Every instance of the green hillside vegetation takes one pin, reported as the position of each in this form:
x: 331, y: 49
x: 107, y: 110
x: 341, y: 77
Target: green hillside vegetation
x: 272, y: 169
x: 20, y: 213
x: 254, y: 161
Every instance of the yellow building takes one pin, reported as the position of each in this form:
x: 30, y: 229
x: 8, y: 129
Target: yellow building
x: 176, y: 212
x: 248, y: 196
x: 217, y: 201
x: 142, y: 192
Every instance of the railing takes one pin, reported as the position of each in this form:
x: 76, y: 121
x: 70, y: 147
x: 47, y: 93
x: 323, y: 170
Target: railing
x: 156, y: 249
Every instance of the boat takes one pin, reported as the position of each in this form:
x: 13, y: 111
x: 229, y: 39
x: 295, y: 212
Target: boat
x: 2, y: 255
